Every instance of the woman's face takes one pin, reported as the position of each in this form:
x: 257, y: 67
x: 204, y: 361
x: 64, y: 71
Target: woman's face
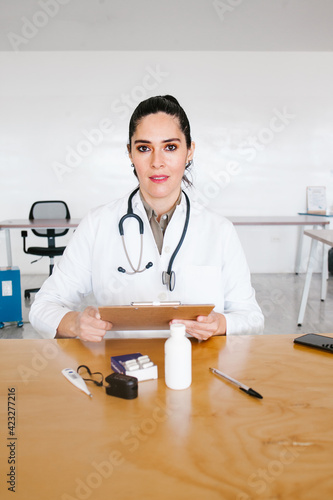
x: 159, y: 154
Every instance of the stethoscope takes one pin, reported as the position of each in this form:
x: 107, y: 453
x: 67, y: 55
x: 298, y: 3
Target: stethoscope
x: 169, y: 276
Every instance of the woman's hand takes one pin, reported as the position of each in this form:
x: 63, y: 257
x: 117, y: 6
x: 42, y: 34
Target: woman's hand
x: 205, y: 326
x: 87, y: 325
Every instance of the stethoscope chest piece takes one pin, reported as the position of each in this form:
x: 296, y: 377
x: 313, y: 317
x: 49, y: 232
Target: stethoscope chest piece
x: 169, y: 280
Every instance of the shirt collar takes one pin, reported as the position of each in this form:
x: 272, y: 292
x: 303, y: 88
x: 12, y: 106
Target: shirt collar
x: 151, y: 212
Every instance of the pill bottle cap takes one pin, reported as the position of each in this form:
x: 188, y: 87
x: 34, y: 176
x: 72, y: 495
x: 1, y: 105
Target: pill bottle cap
x: 177, y: 329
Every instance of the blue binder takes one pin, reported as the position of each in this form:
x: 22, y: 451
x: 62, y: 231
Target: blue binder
x: 10, y: 296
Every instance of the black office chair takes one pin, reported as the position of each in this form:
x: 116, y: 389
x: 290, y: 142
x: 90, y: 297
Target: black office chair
x: 46, y: 210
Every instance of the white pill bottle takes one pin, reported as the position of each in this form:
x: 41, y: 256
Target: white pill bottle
x: 178, y: 358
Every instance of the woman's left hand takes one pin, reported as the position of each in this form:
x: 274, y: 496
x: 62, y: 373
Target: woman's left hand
x: 205, y: 326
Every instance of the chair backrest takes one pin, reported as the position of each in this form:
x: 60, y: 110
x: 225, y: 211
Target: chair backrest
x: 52, y: 209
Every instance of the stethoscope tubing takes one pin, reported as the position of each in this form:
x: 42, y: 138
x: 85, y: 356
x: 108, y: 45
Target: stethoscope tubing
x: 171, y: 280
x: 187, y: 219
x: 129, y: 214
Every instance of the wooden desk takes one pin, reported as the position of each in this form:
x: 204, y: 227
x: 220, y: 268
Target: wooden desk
x: 300, y: 220
x: 324, y: 236
x: 6, y: 225
x: 210, y: 441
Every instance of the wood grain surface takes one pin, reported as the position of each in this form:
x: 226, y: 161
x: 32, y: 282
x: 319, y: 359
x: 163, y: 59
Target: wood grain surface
x: 210, y: 441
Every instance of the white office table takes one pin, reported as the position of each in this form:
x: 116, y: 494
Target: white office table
x: 7, y: 225
x: 324, y: 236
x: 299, y: 220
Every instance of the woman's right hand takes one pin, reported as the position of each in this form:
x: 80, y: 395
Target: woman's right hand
x: 87, y: 325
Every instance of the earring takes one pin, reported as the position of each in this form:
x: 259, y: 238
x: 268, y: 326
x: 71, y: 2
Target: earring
x: 132, y: 165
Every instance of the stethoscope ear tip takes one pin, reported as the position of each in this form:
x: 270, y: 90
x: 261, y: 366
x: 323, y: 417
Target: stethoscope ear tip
x: 150, y: 264
x: 121, y: 270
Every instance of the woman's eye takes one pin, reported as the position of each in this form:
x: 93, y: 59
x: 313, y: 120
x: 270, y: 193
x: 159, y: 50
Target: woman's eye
x: 171, y: 147
x: 143, y: 149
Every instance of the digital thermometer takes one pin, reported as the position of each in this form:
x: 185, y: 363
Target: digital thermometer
x: 76, y: 380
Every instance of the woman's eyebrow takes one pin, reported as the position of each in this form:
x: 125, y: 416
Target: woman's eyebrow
x: 149, y: 142
x: 172, y: 140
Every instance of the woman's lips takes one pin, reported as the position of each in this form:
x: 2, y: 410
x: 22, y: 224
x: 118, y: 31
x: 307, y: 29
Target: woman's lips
x: 158, y: 179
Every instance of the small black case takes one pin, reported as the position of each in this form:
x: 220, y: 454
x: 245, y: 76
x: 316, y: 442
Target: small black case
x: 121, y: 386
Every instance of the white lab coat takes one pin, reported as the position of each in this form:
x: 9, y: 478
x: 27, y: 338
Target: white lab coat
x: 210, y: 267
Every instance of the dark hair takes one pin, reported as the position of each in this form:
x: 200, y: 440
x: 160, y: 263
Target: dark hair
x: 165, y: 104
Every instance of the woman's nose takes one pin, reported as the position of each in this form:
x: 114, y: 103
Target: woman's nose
x: 157, y: 159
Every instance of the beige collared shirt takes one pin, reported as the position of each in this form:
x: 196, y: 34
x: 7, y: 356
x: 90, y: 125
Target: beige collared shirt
x: 158, y: 228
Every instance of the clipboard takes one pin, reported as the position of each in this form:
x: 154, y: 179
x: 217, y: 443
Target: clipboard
x: 151, y: 316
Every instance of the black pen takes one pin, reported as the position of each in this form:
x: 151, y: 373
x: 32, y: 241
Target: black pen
x: 242, y: 387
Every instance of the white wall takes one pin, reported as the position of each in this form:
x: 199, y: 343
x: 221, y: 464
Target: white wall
x: 51, y: 101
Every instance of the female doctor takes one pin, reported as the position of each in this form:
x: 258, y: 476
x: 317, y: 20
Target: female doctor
x: 185, y: 252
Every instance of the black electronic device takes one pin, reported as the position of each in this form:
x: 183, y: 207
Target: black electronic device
x: 314, y: 340
x: 121, y: 386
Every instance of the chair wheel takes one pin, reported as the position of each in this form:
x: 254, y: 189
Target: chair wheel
x: 27, y: 295
x: 2, y: 325
x: 19, y: 324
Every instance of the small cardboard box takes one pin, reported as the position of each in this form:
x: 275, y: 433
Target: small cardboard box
x: 142, y: 373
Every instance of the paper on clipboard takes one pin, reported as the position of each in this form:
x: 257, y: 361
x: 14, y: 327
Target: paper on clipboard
x: 151, y: 317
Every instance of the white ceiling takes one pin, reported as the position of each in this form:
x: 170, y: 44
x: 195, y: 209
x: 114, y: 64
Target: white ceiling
x: 226, y: 25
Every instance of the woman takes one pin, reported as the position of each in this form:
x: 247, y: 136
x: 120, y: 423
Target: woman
x: 210, y: 265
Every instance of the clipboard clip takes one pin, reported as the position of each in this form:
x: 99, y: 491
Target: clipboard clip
x: 156, y: 303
